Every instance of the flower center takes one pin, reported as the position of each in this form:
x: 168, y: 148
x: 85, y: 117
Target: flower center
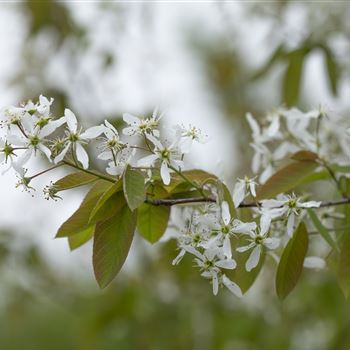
x: 34, y: 140
x: 165, y: 154
x: 42, y: 122
x: 73, y: 137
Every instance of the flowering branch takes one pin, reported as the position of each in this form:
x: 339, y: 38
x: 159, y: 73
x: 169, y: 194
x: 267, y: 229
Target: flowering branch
x: 150, y: 192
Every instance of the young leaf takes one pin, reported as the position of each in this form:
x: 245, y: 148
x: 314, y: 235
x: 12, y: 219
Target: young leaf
x: 112, y: 241
x: 109, y: 208
x: 225, y: 195
x: 293, y: 75
x: 79, y: 221
x: 291, y: 263
x: 343, y: 271
x: 333, y: 70
x: 109, y: 192
x: 178, y: 184
x: 73, y: 180
x: 134, y: 187
x: 305, y: 155
x: 286, y: 179
x: 153, y: 220
x: 81, y: 238
x: 321, y: 229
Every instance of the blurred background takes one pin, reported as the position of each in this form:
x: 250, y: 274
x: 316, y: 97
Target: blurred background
x: 201, y: 63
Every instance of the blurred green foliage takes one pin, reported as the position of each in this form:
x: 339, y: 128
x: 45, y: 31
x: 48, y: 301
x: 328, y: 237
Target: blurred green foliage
x: 164, y: 307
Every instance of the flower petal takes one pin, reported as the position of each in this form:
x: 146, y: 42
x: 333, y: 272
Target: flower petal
x: 71, y: 120
x: 271, y: 242
x: 215, y: 282
x: 131, y: 119
x: 51, y: 127
x: 60, y: 156
x: 225, y: 213
x: 148, y: 160
x: 92, y: 132
x: 290, y: 224
x: 265, y: 222
x: 231, y: 286
x: 227, y: 247
x: 82, y: 156
x: 238, y: 193
x: 164, y: 173
x: 253, y: 259
x: 226, y: 264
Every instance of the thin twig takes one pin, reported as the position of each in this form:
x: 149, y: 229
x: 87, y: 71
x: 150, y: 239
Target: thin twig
x: 91, y: 172
x: 170, y: 202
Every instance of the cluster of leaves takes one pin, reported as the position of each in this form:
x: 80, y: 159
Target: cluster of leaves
x: 111, y: 212
x: 295, y: 60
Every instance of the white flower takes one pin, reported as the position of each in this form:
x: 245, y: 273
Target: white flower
x: 258, y: 239
x: 33, y: 138
x: 24, y: 181
x: 297, y: 125
x: 141, y: 126
x: 288, y: 205
x: 117, y: 166
x: 188, y: 136
x: 242, y: 188
x: 169, y: 156
x: 75, y: 139
x: 6, y: 151
x: 211, y: 266
x: 44, y: 106
x: 225, y: 229
x: 111, y: 144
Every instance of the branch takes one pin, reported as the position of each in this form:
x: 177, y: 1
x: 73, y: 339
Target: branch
x: 171, y: 202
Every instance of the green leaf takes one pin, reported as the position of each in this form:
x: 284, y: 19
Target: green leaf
x: 134, y: 187
x: 322, y: 175
x: 291, y: 263
x: 153, y: 220
x: 107, y: 194
x: 292, y: 77
x: 321, y: 229
x: 109, y: 207
x: 79, y: 221
x: 112, y: 241
x: 333, y: 70
x: 343, y: 270
x: 81, y: 238
x: 341, y: 168
x: 73, y: 180
x: 286, y: 179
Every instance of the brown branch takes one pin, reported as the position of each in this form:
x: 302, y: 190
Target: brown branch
x: 170, y: 202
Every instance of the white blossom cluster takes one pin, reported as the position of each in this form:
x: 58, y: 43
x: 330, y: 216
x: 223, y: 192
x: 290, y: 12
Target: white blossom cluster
x: 286, y: 131
x: 29, y: 130
x: 209, y: 233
